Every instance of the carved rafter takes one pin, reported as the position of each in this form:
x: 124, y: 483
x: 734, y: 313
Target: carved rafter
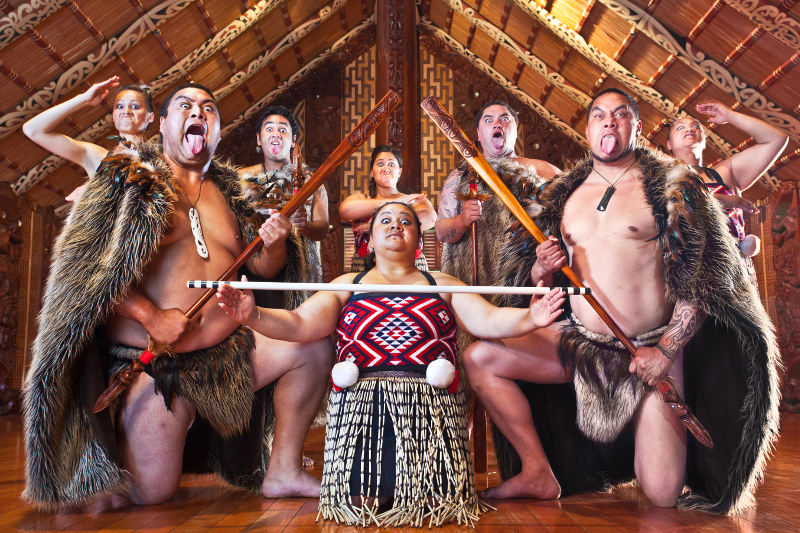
x: 300, y: 74
x: 782, y: 25
x: 78, y: 73
x: 193, y: 59
x: 714, y: 72
x: 25, y: 17
x: 504, y: 82
x: 638, y: 87
x: 522, y: 54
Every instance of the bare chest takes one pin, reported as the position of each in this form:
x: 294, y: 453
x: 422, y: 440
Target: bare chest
x: 217, y: 223
x: 627, y: 214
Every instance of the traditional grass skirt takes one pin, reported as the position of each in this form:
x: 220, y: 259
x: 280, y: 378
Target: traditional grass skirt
x: 400, y: 443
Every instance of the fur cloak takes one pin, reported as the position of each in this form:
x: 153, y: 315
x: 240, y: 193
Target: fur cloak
x: 730, y: 366
x: 111, y: 235
x: 505, y: 248
x: 271, y: 190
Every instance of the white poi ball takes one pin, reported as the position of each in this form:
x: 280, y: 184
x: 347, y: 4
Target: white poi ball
x: 440, y: 373
x: 750, y: 245
x: 344, y: 374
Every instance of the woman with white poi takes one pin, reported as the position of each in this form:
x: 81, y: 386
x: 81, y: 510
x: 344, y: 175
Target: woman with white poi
x: 132, y: 115
x: 396, y: 446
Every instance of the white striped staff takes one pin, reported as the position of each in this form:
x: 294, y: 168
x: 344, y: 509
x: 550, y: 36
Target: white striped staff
x: 380, y: 287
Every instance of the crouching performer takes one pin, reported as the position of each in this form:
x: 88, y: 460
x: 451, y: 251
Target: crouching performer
x: 396, y: 448
x: 653, y: 245
x: 149, y: 217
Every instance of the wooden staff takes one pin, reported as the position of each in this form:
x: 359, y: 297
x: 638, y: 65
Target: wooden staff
x: 382, y: 287
x: 354, y: 139
x: 297, y: 174
x: 476, y: 160
x: 478, y: 412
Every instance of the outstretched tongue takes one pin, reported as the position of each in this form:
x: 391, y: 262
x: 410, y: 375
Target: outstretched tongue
x: 195, y: 139
x: 497, y: 141
x: 608, y: 143
x: 275, y: 148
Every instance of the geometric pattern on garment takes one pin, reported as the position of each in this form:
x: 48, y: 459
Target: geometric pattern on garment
x: 390, y: 330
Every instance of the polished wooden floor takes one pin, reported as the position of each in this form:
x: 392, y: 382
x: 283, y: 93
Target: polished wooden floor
x: 203, y: 503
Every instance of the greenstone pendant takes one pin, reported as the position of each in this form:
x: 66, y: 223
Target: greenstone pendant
x: 606, y: 197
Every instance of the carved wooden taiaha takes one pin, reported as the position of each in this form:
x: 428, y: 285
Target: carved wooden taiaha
x: 476, y: 160
x: 354, y: 139
x: 478, y: 413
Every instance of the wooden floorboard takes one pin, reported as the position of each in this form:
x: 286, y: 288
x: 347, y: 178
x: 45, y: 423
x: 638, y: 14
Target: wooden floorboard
x: 203, y: 503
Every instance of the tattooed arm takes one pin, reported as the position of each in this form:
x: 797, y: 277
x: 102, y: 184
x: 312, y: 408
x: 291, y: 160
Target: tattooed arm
x: 652, y: 364
x: 451, y: 224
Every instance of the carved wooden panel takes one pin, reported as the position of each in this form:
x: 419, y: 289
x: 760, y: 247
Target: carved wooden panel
x: 358, y: 97
x: 10, y: 253
x: 786, y: 244
x: 473, y: 88
x: 437, y: 154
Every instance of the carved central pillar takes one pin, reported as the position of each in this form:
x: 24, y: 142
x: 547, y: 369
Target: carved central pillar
x: 397, y: 47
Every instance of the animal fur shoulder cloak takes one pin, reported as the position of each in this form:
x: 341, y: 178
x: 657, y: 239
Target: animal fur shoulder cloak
x: 730, y: 366
x: 111, y: 235
x: 504, y: 246
x: 271, y: 190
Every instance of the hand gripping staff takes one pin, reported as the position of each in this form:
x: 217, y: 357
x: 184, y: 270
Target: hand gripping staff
x: 476, y: 160
x: 354, y: 139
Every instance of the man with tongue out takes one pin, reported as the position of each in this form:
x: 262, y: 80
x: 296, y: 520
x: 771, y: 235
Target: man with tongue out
x: 641, y: 231
x: 123, y: 260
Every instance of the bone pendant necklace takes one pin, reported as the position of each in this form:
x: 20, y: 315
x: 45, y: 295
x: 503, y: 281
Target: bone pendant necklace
x: 611, y: 189
x: 197, y: 229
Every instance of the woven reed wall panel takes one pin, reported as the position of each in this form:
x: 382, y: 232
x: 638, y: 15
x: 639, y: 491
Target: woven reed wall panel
x: 358, y: 98
x: 437, y: 155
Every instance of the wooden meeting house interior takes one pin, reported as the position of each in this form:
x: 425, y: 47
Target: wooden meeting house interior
x: 329, y: 61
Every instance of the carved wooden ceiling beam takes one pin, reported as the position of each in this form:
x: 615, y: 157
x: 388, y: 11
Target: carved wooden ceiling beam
x: 650, y: 95
x: 778, y: 22
x: 77, y: 74
x: 786, y: 159
x: 704, y: 21
x: 661, y: 70
x: 743, y: 46
x: 585, y: 15
x: 184, y: 66
x: 503, y: 24
x: 753, y: 99
x: 651, y: 5
x: 627, y: 78
x: 780, y: 72
x: 162, y: 42
x: 444, y: 37
x: 300, y: 74
x: 25, y: 17
x: 526, y: 57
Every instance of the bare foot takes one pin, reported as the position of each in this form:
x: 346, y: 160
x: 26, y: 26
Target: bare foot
x: 308, y: 463
x: 99, y: 505
x: 542, y: 486
x: 290, y: 484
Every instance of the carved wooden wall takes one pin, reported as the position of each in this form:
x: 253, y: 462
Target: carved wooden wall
x: 358, y: 97
x: 538, y: 139
x: 39, y: 229
x: 437, y: 154
x: 10, y: 253
x: 785, y: 225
